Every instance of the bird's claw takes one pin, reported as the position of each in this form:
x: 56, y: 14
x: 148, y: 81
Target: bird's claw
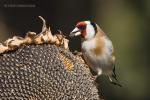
x: 77, y: 53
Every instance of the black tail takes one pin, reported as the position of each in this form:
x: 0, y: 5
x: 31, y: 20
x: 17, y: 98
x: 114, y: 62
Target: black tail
x: 115, y: 83
x: 114, y: 77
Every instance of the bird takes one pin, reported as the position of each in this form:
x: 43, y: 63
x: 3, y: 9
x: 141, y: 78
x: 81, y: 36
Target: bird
x: 97, y: 49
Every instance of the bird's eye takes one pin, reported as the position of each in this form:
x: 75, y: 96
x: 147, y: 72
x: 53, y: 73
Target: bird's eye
x: 82, y: 27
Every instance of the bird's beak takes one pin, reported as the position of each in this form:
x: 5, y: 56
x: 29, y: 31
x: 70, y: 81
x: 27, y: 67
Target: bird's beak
x: 75, y: 32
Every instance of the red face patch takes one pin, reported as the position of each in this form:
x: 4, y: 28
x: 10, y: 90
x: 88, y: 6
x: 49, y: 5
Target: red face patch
x: 80, y: 24
x: 82, y: 27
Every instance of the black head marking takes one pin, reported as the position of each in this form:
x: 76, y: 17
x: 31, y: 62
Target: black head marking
x: 94, y: 25
x: 82, y: 27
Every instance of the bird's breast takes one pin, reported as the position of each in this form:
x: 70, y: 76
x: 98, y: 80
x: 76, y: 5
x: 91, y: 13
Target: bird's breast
x: 95, y: 47
x: 95, y: 52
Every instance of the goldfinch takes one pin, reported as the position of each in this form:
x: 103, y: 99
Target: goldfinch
x: 97, y: 49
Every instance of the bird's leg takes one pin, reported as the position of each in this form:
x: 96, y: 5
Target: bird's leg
x: 93, y: 77
x: 77, y: 53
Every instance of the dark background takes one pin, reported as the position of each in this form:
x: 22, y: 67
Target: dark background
x: 126, y: 22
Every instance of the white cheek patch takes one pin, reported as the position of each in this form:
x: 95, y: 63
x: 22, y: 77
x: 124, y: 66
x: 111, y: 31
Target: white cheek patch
x: 90, y: 31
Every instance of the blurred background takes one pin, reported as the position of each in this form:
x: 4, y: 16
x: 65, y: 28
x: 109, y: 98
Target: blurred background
x: 126, y: 22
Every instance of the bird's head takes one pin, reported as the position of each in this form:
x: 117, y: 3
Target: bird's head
x: 85, y: 29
